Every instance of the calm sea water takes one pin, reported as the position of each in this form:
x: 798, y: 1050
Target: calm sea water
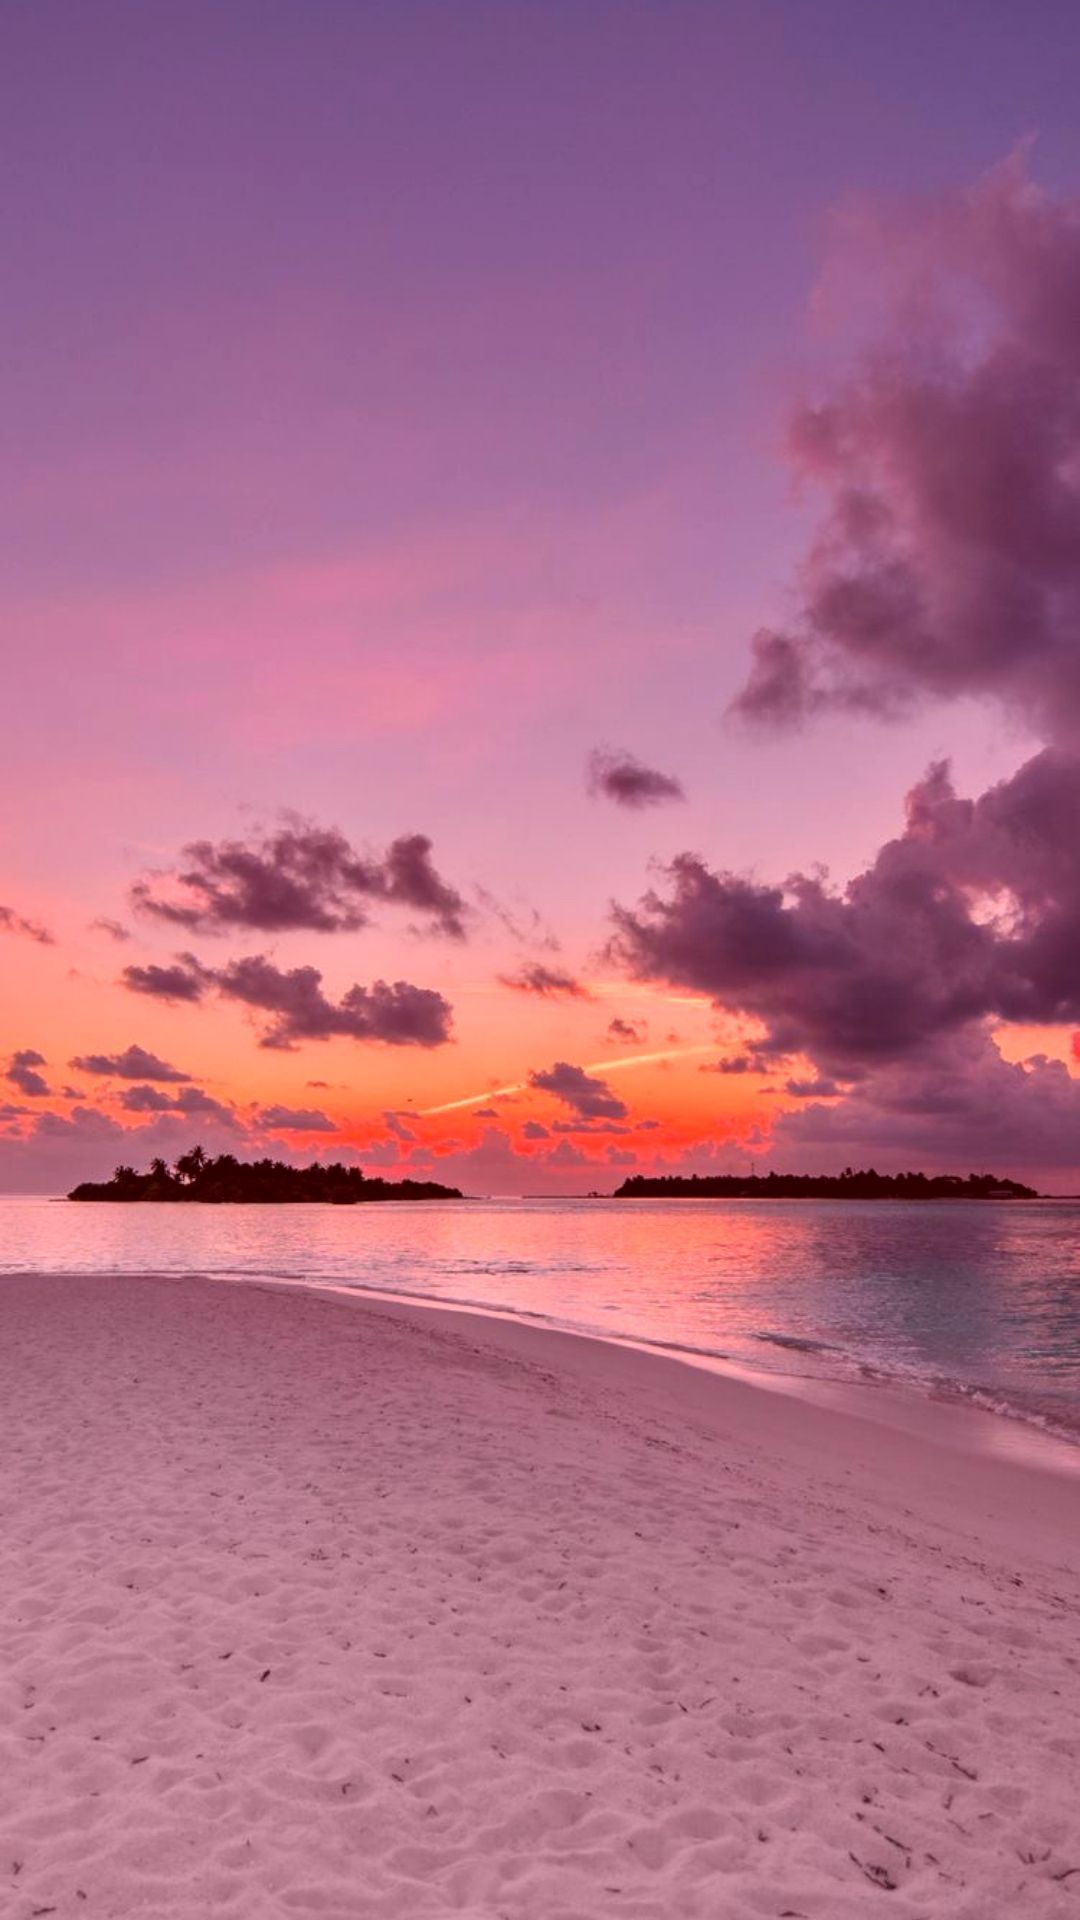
x: 966, y: 1299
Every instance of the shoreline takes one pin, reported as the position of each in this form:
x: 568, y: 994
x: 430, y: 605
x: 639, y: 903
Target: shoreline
x: 324, y: 1604
x: 977, y: 1418
x: 960, y: 1420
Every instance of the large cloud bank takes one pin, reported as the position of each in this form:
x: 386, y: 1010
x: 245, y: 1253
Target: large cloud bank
x: 947, y: 564
x: 947, y: 561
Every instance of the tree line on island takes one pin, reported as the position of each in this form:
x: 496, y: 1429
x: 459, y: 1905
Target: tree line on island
x: 849, y: 1185
x: 195, y: 1176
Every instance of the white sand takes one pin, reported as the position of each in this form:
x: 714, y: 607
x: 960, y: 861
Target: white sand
x: 312, y: 1607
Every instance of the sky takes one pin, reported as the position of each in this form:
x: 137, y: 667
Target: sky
x: 540, y: 588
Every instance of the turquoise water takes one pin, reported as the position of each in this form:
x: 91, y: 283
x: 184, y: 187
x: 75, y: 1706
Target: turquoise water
x: 962, y: 1299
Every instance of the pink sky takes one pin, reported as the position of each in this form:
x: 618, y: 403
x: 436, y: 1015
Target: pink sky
x: 398, y: 404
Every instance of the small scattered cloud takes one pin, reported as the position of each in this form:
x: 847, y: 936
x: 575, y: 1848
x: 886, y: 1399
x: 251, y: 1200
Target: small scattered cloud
x: 548, y: 983
x: 298, y: 1008
x: 397, y: 1015
x: 295, y: 1120
x: 22, y: 1073
x: 620, y: 777
x: 299, y: 877
x: 184, y: 981
x: 135, y: 1063
x: 113, y: 928
x: 12, y: 922
x: 585, y: 1095
x: 633, y: 1032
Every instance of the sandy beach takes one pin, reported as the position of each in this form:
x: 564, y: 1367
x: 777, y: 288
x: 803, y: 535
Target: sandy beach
x: 328, y: 1607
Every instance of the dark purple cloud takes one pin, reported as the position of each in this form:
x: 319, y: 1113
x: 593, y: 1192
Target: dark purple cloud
x: 295, y: 1120
x: 619, y: 777
x: 549, y: 983
x: 185, y: 980
x: 947, y: 561
x: 12, y: 922
x: 135, y: 1063
x: 299, y: 877
x: 400, y: 1015
x: 532, y: 1130
x: 145, y: 1100
x: 190, y: 1101
x: 586, y: 1096
x: 819, y: 1088
x: 21, y: 1071
x: 633, y: 1031
x: 973, y: 913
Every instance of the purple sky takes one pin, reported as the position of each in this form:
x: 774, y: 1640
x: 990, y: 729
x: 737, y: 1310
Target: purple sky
x: 396, y: 416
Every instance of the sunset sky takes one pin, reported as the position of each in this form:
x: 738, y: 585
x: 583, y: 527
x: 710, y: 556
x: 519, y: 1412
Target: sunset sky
x: 520, y: 503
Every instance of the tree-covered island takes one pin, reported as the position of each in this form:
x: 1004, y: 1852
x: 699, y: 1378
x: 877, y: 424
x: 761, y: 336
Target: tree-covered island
x: 197, y: 1177
x: 849, y: 1185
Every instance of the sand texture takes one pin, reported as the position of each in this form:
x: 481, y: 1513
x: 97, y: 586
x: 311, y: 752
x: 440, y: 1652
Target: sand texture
x: 322, y: 1608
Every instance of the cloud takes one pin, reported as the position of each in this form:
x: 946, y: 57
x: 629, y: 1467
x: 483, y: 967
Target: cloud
x: 972, y: 913
x: 532, y: 1130
x: 736, y: 1063
x: 633, y: 1031
x: 397, y: 1124
x: 550, y: 983
x: 818, y: 1088
x: 947, y: 560
x: 113, y: 928
x: 135, y: 1063
x: 486, y: 1113
x: 618, y: 776
x: 564, y: 1155
x: 186, y: 980
x: 145, y: 1100
x: 959, y: 1107
x: 21, y: 1072
x: 12, y: 922
x: 400, y: 1015
x: 583, y: 1093
x: 190, y: 1101
x: 299, y: 877
x: 295, y: 1119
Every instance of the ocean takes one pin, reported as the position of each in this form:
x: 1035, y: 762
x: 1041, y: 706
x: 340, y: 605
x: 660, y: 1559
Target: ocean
x: 963, y: 1300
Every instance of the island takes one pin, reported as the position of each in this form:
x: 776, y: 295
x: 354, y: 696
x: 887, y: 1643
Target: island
x: 849, y: 1185
x: 195, y: 1176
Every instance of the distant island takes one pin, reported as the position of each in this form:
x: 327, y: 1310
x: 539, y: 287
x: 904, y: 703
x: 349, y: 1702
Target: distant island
x: 849, y: 1185
x: 226, y: 1180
